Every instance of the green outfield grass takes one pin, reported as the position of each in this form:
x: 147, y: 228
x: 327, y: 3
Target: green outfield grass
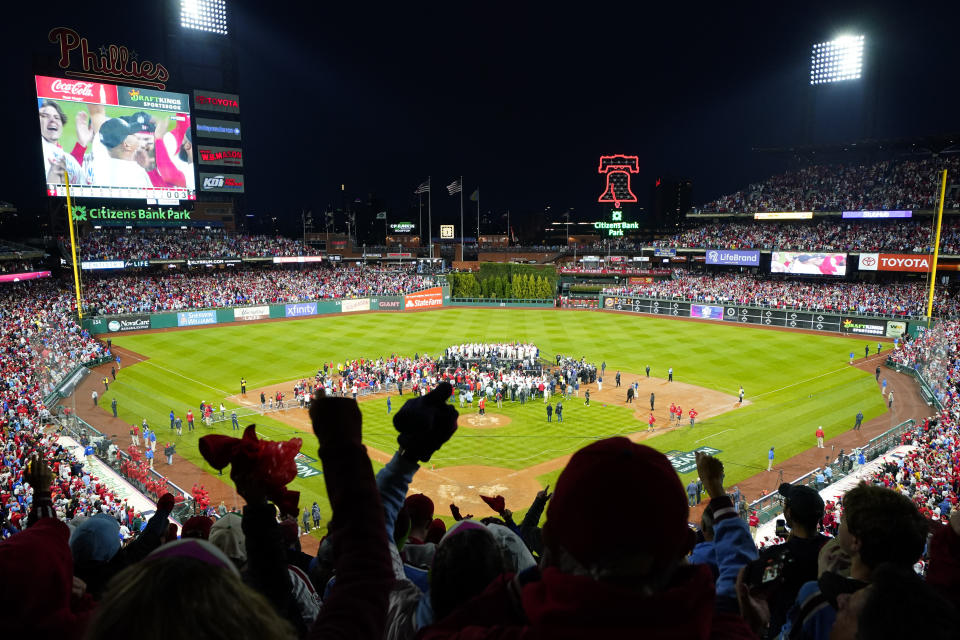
x: 795, y: 381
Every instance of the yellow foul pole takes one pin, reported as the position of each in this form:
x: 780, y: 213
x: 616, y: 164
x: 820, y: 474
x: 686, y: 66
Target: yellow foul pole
x: 936, y: 247
x: 73, y: 248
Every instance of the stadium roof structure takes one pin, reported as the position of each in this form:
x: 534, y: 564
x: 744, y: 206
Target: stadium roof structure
x: 13, y: 250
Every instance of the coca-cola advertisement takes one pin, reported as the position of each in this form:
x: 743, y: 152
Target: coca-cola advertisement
x: 113, y: 141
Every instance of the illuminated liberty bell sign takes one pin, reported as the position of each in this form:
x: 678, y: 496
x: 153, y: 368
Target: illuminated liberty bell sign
x: 618, y: 169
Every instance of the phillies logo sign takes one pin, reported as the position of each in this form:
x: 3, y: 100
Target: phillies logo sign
x: 108, y: 63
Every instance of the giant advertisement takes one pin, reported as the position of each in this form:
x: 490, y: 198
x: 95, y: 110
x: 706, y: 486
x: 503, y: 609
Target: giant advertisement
x: 895, y: 262
x: 426, y: 299
x: 196, y: 318
x: 864, y: 327
x: 114, y: 141
x: 808, y: 264
x: 223, y: 129
x: 733, y: 257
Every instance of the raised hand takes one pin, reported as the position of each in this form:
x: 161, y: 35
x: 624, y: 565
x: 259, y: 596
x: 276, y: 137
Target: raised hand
x: 335, y: 419
x: 425, y: 423
x: 711, y: 474
x: 84, y: 130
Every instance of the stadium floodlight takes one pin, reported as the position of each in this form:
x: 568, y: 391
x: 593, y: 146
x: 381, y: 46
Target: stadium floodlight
x: 838, y: 60
x: 204, y: 15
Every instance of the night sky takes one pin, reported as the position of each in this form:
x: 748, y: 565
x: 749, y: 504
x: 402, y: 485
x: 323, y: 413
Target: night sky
x: 520, y: 100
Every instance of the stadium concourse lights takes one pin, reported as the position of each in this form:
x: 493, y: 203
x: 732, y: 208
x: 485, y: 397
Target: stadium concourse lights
x: 838, y: 60
x: 204, y: 15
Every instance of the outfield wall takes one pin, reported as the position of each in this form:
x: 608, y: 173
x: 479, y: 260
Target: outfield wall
x: 861, y: 325
x: 434, y: 297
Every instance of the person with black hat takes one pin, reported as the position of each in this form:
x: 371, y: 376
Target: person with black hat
x: 115, y: 157
x: 803, y: 510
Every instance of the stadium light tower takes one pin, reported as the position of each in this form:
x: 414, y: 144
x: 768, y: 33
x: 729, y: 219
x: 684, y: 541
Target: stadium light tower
x: 204, y: 15
x: 838, y: 60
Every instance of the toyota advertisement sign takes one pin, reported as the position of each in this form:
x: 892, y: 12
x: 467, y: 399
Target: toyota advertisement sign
x: 912, y: 263
x: 733, y: 257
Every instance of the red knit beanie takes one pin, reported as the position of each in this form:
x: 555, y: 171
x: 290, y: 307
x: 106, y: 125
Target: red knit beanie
x: 420, y: 508
x: 615, y: 498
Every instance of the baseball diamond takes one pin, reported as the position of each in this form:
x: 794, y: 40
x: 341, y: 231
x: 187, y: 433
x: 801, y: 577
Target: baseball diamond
x: 792, y: 381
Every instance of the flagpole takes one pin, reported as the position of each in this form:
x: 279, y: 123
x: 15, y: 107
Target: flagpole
x: 462, y: 257
x: 420, y: 225
x: 478, y: 222
x: 430, y: 217
x: 73, y: 246
x: 509, y: 231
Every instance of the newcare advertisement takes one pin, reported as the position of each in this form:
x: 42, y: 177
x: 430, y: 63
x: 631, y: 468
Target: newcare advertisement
x: 128, y: 323
x: 733, y: 257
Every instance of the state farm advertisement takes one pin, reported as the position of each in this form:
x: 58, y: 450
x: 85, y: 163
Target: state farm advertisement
x: 895, y: 262
x: 426, y: 299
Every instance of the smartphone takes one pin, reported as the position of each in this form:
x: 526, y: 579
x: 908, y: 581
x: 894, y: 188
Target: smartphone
x: 781, y: 528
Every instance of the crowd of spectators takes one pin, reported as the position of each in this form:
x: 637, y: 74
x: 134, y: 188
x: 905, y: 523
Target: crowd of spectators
x: 896, y: 299
x: 183, y: 244
x: 890, y: 184
x: 173, y: 291
x: 891, y: 236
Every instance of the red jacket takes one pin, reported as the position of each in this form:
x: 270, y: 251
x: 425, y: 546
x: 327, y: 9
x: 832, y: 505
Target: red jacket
x: 561, y: 605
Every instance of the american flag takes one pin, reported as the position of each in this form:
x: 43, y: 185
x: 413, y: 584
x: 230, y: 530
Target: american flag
x: 423, y: 188
x: 454, y: 187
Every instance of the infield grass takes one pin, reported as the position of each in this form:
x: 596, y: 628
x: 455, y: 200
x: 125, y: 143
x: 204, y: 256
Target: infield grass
x: 794, y: 381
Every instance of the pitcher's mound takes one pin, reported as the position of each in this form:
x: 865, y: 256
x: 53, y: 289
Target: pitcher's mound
x: 488, y: 421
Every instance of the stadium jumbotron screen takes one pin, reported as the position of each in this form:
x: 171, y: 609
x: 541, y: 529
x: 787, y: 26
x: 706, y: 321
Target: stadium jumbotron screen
x: 115, y: 141
x: 808, y: 264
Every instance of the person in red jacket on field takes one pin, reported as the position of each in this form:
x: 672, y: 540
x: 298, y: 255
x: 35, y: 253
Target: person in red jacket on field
x: 650, y: 422
x: 693, y: 417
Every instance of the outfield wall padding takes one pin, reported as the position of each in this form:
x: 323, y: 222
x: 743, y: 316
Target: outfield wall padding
x: 836, y: 322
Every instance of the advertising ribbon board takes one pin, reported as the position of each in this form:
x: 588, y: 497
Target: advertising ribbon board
x: 706, y: 311
x: 390, y: 303
x: 733, y: 257
x: 425, y: 299
x: 913, y: 263
x: 865, y: 327
x: 896, y: 329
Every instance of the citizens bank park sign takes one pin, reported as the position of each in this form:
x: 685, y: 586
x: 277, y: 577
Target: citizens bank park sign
x: 895, y: 262
x: 95, y: 214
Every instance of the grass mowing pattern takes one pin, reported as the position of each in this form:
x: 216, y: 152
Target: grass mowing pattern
x: 796, y: 381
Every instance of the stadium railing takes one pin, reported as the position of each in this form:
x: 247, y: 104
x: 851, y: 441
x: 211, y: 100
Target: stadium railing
x: 70, y: 381
x: 75, y: 427
x: 770, y: 506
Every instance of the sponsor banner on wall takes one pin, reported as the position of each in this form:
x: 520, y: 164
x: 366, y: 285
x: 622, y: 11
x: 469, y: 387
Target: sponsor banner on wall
x: 196, y: 318
x: 914, y: 263
x: 878, y: 214
x: 214, y: 101
x: 640, y: 280
x: 424, y: 299
x: 213, y: 261
x: 207, y: 128
x: 359, y: 304
x: 707, y: 311
x: 300, y: 309
x: 864, y: 326
x: 128, y: 323
x: 297, y: 259
x: 896, y: 329
x: 251, y: 313
x: 91, y: 265
x: 662, y: 252
x: 220, y: 156
x: 784, y: 215
x: 393, y: 303
x: 733, y: 257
